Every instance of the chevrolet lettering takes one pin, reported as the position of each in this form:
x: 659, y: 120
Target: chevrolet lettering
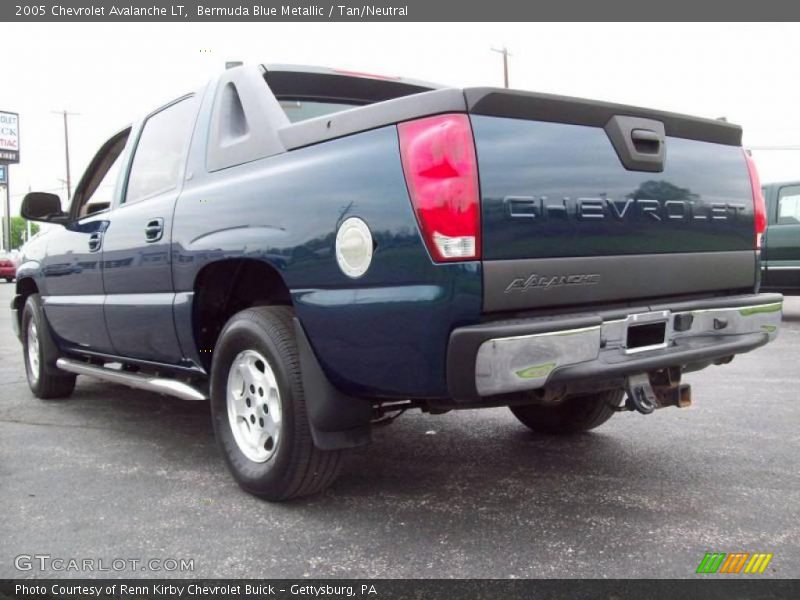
x: 540, y: 208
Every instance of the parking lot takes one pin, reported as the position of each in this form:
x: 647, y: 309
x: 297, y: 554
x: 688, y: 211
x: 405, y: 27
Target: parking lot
x: 117, y: 473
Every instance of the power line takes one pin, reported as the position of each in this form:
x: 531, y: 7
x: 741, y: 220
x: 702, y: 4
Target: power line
x: 56, y: 189
x: 779, y: 148
x: 61, y: 187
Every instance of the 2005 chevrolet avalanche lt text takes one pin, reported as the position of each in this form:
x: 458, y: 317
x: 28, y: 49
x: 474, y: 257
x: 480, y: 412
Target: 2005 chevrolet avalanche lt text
x: 316, y: 251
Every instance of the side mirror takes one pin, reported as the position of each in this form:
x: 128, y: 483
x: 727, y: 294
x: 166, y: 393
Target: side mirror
x: 41, y: 206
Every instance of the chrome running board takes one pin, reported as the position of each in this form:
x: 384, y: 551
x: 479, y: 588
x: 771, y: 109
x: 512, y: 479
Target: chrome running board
x: 171, y: 387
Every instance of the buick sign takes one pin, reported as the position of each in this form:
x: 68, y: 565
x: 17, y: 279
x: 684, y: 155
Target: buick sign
x: 9, y: 137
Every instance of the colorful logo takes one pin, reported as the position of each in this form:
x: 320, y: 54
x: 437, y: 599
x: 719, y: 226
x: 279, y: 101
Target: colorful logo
x: 734, y: 563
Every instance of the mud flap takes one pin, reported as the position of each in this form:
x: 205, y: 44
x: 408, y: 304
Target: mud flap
x: 337, y: 420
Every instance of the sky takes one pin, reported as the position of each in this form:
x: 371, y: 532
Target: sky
x: 111, y: 73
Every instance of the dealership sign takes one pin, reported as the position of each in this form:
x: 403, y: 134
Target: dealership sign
x: 9, y: 137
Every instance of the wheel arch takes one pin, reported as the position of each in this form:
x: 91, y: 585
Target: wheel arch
x: 228, y: 286
x: 24, y: 288
x: 225, y: 287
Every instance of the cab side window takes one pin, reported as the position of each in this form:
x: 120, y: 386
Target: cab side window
x: 789, y: 205
x: 95, y: 192
x: 161, y: 152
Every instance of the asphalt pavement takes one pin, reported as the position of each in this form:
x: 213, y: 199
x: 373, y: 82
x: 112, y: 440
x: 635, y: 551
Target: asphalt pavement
x: 114, y: 473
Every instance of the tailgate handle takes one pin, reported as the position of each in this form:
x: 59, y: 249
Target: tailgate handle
x: 646, y: 141
x: 639, y: 143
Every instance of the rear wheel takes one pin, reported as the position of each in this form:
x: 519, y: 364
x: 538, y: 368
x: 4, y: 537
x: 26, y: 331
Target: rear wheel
x: 573, y: 415
x: 258, y: 408
x: 41, y: 353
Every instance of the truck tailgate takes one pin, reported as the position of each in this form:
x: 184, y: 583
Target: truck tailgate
x: 586, y: 202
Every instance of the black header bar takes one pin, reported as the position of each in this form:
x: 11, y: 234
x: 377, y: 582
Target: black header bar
x: 397, y: 10
x: 701, y: 587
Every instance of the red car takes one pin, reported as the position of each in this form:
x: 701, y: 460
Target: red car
x: 8, y: 267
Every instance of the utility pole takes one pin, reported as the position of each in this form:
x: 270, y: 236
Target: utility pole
x: 66, y: 114
x: 504, y: 51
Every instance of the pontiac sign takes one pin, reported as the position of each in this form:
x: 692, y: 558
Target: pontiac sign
x: 9, y: 137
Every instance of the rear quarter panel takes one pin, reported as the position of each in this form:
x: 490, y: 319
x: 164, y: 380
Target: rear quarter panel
x: 383, y: 334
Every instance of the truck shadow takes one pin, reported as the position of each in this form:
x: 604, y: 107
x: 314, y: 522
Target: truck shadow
x: 467, y: 459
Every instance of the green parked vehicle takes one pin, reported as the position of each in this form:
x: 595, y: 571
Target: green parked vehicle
x: 780, y: 248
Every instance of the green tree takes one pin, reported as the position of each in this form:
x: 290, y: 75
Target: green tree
x: 18, y: 230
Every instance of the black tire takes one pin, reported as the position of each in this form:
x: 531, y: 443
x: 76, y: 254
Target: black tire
x: 295, y: 467
x: 9, y: 279
x: 574, y: 415
x: 49, y: 382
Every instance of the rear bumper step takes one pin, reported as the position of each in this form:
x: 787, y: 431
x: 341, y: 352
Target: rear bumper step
x: 170, y: 387
x: 520, y: 355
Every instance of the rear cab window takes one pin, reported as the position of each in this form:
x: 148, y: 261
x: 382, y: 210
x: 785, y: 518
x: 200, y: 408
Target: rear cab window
x: 310, y: 92
x: 789, y: 205
x: 301, y: 110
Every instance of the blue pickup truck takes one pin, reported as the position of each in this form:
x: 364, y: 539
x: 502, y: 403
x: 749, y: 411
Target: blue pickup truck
x: 317, y: 251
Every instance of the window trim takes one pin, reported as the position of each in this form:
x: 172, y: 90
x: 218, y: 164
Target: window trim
x: 349, y: 106
x: 78, y: 201
x: 123, y: 197
x: 778, y: 204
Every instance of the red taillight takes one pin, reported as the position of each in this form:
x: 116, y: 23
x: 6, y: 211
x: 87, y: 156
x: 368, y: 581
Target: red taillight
x: 441, y: 170
x: 759, y: 206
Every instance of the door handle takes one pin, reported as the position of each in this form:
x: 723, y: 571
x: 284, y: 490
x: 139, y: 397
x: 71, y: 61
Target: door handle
x: 154, y: 230
x: 95, y: 241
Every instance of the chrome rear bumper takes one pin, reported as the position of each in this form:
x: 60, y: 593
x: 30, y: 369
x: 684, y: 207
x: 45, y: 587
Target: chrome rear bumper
x: 571, y: 347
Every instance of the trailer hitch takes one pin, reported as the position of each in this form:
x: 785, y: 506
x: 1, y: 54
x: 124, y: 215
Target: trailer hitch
x: 641, y: 396
x: 659, y: 389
